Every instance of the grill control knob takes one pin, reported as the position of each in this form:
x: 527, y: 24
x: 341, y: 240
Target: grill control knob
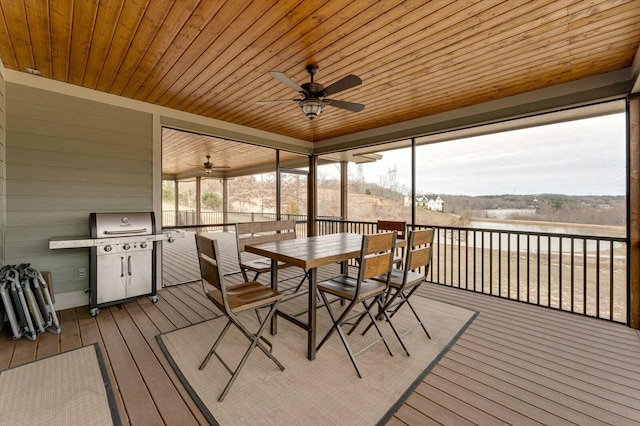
x: 107, y: 248
x: 126, y: 246
x: 143, y: 245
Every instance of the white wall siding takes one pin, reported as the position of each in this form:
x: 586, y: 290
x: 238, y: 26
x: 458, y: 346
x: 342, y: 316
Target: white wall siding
x: 67, y: 157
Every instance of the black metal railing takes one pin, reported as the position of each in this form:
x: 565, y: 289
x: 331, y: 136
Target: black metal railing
x: 171, y: 218
x: 583, y: 274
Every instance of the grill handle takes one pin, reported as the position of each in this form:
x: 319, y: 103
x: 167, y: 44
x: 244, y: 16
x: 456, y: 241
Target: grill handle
x: 131, y: 231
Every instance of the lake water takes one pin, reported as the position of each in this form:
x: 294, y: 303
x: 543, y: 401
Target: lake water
x: 535, y: 244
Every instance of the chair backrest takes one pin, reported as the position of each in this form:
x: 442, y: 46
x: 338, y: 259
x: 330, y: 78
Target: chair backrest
x: 393, y: 225
x: 249, y: 233
x: 419, y: 249
x: 208, y: 255
x: 376, y: 255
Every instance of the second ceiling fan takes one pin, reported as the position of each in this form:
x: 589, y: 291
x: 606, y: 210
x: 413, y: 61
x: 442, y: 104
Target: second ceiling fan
x: 314, y: 95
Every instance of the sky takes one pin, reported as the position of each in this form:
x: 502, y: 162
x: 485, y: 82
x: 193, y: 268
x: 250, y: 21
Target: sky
x: 581, y: 157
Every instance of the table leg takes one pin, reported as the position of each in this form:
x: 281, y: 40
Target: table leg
x: 274, y: 286
x: 311, y: 339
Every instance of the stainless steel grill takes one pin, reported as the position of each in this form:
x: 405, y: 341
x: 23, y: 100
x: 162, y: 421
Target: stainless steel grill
x: 122, y: 261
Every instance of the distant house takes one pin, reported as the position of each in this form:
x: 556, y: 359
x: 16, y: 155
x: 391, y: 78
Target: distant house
x: 436, y: 204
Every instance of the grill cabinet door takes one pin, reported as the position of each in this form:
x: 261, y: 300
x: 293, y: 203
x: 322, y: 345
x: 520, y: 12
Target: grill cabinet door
x: 111, y: 279
x: 139, y: 273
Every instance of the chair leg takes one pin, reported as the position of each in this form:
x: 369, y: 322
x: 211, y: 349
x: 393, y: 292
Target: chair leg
x: 348, y: 348
x: 361, y: 317
x: 383, y: 307
x: 250, y: 336
x: 254, y: 342
x: 213, y: 349
x: 378, y: 328
x: 398, y: 336
x: 333, y: 319
x: 418, y: 318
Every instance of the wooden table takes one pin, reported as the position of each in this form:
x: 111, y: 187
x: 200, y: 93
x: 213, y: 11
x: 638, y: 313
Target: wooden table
x: 308, y: 253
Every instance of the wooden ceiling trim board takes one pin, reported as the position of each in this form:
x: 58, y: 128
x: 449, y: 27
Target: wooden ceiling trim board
x: 292, y: 62
x: 7, y: 51
x: 219, y: 53
x: 410, y: 41
x: 127, y: 28
x: 38, y: 21
x: 581, y: 10
x: 106, y: 25
x: 577, y: 92
x: 195, y: 23
x: 210, y: 42
x: 233, y: 60
x: 235, y: 132
x: 61, y: 28
x: 85, y: 14
x: 447, y: 57
x: 152, y: 22
x: 164, y: 36
x: 468, y: 90
x: 622, y: 11
x: 489, y: 65
x: 300, y: 26
x: 16, y: 21
x: 323, y: 53
x: 563, y: 13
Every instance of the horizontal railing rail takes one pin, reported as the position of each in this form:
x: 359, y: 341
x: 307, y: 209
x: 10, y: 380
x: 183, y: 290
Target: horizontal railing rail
x: 171, y: 218
x: 583, y: 274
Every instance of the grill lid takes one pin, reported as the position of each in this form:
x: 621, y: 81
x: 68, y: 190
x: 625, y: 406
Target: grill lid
x: 105, y: 225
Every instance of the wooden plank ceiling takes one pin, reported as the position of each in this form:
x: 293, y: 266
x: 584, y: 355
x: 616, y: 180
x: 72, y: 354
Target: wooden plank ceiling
x: 415, y: 58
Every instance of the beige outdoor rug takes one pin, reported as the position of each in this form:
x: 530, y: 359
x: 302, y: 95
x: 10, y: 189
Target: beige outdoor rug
x: 326, y: 391
x: 71, y: 388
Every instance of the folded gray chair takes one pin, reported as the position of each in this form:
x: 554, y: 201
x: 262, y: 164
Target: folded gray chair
x: 232, y: 300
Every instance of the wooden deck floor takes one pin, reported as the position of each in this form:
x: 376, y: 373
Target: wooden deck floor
x: 516, y: 364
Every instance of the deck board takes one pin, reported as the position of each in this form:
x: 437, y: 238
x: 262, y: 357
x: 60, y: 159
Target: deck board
x: 140, y: 407
x: 168, y: 401
x: 149, y: 330
x: 516, y: 363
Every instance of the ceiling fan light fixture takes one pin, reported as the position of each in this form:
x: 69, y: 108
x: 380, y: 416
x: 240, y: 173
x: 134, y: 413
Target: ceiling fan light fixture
x: 311, y: 108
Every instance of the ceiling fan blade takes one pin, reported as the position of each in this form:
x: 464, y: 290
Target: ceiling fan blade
x: 282, y: 78
x: 280, y: 101
x: 343, y: 84
x: 349, y: 106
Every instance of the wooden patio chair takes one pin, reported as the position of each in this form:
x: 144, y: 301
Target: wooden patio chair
x: 232, y: 300
x: 401, y: 228
x: 263, y: 232
x: 404, y: 282
x: 376, y: 257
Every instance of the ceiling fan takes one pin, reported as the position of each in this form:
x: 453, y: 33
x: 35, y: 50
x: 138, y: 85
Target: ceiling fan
x: 314, y: 95
x: 208, y: 166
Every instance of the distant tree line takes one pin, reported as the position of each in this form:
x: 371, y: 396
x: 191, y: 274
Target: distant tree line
x: 607, y: 210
